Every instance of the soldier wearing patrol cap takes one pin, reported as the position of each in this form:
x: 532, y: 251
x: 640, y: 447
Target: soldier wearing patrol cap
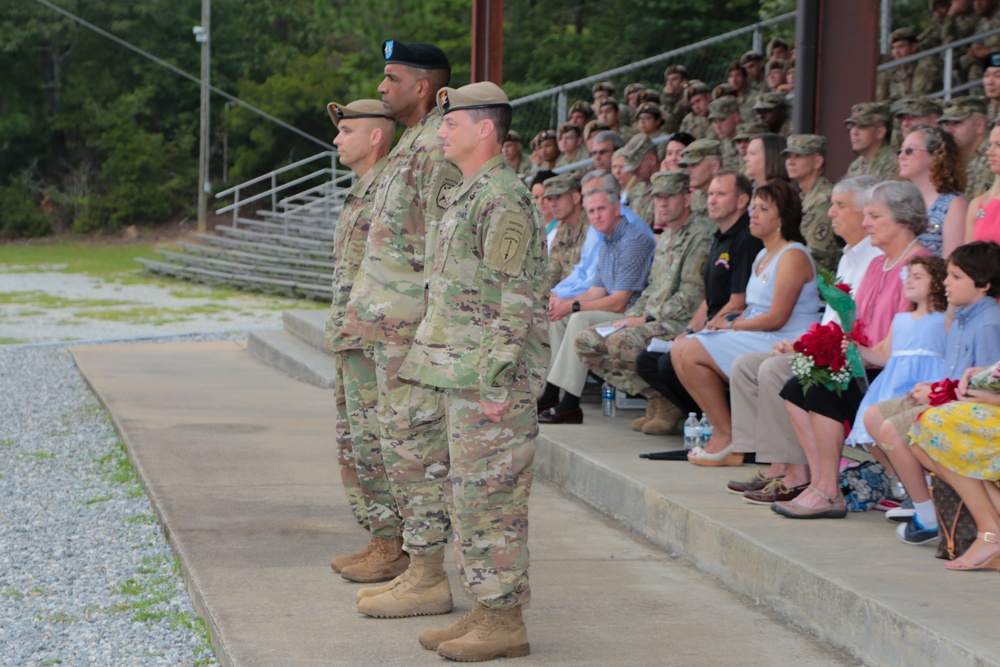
x: 650, y: 122
x: 744, y: 133
x: 772, y: 111
x: 991, y: 84
x: 915, y: 79
x: 581, y: 113
x: 774, y: 75
x: 609, y: 112
x: 483, y: 345
x: 869, y: 130
x: 570, y: 140
x: 386, y: 306
x: 753, y: 63
x: 513, y: 154
x: 725, y: 116
x: 701, y: 159
x: 632, y: 91
x: 672, y: 101
x: 547, y: 142
x: 699, y: 96
x: 602, y: 90
x: 913, y: 111
x: 642, y: 162
x: 805, y: 155
x: 964, y: 118
x: 975, y: 57
x: 566, y: 204
x: 364, y: 138
x: 676, y: 288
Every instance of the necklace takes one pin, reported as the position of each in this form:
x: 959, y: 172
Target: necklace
x: 767, y: 260
x: 899, y: 259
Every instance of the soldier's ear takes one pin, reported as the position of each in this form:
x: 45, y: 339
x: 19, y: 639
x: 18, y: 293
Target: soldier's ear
x: 821, y: 161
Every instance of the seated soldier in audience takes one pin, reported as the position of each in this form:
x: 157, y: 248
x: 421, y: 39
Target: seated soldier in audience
x: 774, y: 74
x: 590, y: 131
x: 609, y: 113
x: 869, y: 130
x: 602, y: 90
x: 642, y: 162
x: 702, y: 159
x: 974, y: 59
x: 744, y: 133
x: 695, y: 123
x: 960, y: 22
x: 916, y: 79
x: 581, y: 113
x: 604, y: 146
x: 548, y: 149
x: 727, y: 271
x: 805, y: 157
x: 622, y: 272
x: 788, y: 87
x: 513, y: 154
x: 650, y: 123
x: 772, y: 111
x: 736, y: 76
x: 725, y: 116
x: 909, y: 112
x: 618, y: 169
x: 566, y: 206
x: 570, y: 141
x: 676, y: 288
x: 931, y: 36
x: 964, y: 118
x: 777, y: 49
x: 753, y: 64
x: 632, y: 91
x: 672, y: 101
x: 536, y: 185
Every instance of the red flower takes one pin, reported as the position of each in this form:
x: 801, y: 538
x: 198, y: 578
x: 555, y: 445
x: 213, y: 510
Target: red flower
x: 844, y: 287
x: 942, y: 392
x: 858, y: 334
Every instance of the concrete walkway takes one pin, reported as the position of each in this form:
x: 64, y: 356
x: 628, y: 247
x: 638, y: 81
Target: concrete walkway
x: 237, y: 460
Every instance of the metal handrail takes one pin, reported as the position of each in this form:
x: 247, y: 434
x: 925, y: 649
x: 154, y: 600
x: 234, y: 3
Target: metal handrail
x: 287, y: 167
x: 893, y: 64
x: 652, y: 60
x: 274, y: 190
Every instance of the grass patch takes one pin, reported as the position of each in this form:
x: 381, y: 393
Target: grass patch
x: 98, y: 499
x: 43, y: 456
x: 12, y: 341
x: 7, y: 442
x: 75, y: 257
x: 145, y: 519
x: 12, y: 593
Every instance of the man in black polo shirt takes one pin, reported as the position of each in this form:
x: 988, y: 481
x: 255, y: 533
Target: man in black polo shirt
x: 726, y: 274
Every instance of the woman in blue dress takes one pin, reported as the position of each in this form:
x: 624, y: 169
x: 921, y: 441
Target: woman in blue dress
x: 929, y: 159
x: 782, y: 302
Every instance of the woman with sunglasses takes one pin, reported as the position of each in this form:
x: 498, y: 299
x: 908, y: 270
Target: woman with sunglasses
x: 929, y: 159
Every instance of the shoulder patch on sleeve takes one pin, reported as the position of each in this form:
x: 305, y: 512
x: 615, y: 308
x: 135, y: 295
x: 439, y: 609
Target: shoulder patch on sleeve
x: 507, y: 243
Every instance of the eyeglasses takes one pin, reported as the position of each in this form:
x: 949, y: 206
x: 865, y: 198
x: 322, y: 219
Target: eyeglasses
x: 603, y: 151
x: 909, y: 150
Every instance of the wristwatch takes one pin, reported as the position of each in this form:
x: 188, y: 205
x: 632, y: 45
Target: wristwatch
x: 576, y: 306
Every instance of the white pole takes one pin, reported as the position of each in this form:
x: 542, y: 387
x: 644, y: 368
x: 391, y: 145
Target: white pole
x: 204, y: 186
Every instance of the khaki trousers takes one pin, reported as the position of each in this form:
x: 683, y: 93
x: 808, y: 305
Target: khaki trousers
x: 760, y: 419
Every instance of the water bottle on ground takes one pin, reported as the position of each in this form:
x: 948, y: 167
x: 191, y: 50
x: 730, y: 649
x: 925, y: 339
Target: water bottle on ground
x: 692, y: 433
x: 705, y: 429
x: 607, y: 400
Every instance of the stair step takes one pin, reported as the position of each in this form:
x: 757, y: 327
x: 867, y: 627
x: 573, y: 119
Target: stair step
x: 284, y: 351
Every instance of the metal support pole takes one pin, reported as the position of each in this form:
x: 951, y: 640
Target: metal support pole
x: 561, y: 108
x: 202, y: 33
x: 948, y: 65
x: 758, y: 39
x: 885, y: 25
x: 806, y: 36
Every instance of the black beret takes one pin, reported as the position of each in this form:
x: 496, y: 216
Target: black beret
x: 424, y: 56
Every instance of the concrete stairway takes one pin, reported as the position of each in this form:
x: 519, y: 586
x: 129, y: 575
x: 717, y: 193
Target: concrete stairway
x: 849, y: 583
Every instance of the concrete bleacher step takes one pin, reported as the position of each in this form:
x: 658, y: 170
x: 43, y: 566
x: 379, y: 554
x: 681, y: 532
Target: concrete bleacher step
x: 289, y: 353
x: 263, y: 248
x: 849, y: 582
x: 220, y: 252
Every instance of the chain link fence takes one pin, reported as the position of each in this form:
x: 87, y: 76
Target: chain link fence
x: 706, y: 60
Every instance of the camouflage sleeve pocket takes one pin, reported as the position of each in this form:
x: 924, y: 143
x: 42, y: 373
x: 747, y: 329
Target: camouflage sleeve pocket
x: 507, y: 243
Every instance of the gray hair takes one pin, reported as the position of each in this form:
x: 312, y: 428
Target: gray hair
x: 609, y: 135
x: 611, y: 195
x: 608, y: 181
x: 856, y: 188
x: 904, y: 201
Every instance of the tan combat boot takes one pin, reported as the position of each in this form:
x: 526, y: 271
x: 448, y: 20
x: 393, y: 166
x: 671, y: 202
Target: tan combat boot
x: 639, y: 422
x: 431, y: 639
x: 386, y: 560
x: 338, y: 563
x: 497, y: 633
x: 665, y: 417
x: 423, y: 591
x: 376, y: 590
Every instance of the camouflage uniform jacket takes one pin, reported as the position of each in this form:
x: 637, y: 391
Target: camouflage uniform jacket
x: 882, y: 165
x: 626, y: 132
x: 816, y: 227
x: 913, y: 80
x: 676, y: 286
x: 731, y: 158
x: 699, y: 203
x: 523, y: 167
x: 993, y: 110
x: 673, y: 112
x: 565, y: 158
x: 641, y: 200
x: 486, y: 326
x: 993, y: 43
x: 387, y: 301
x: 697, y: 126
x: 349, y: 239
x: 958, y: 27
x: 980, y: 178
x: 564, y: 253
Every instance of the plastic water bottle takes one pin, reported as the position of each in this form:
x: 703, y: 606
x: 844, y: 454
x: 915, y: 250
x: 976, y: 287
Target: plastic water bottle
x: 705, y: 428
x: 692, y: 432
x: 607, y: 400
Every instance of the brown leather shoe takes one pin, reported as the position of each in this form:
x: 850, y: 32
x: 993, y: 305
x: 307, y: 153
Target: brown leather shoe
x: 755, y: 483
x: 550, y: 416
x: 774, y: 492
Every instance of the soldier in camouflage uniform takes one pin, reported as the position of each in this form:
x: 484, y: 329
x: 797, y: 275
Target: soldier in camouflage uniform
x: 699, y: 96
x: 650, y: 123
x: 701, y: 159
x: 385, y: 307
x: 566, y: 203
x: 868, y: 126
x: 725, y: 116
x: 513, y: 154
x: 581, y: 113
x: 772, y: 112
x: 805, y: 155
x: 960, y: 22
x: 571, y: 148
x: 676, y: 289
x: 991, y: 85
x: 642, y: 162
x: 548, y: 149
x: 672, y: 101
x: 483, y: 342
x: 753, y: 63
x: 964, y: 118
x: 609, y: 113
x: 744, y: 133
x: 915, y: 79
x: 363, y: 140
x: 974, y: 58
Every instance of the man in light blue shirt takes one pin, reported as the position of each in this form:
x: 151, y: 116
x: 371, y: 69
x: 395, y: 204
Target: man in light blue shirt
x: 582, y: 276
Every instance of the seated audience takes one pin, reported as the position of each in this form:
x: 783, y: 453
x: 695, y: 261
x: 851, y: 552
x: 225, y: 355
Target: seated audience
x: 964, y: 118
x: 805, y: 159
x: 675, y: 146
x: 929, y: 159
x: 870, y: 130
x: 764, y: 161
x: 566, y: 206
x: 982, y: 221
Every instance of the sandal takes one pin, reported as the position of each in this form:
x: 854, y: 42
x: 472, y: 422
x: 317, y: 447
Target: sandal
x: 793, y: 510
x: 991, y: 563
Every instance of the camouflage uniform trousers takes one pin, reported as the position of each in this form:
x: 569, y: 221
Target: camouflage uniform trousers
x: 613, y: 358
x: 415, y: 450
x: 359, y: 448
x: 490, y: 480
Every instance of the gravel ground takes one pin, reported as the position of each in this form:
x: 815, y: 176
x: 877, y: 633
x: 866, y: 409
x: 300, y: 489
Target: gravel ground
x: 86, y: 576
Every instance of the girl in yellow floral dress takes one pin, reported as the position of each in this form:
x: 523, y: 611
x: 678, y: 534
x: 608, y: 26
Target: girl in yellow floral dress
x: 960, y: 442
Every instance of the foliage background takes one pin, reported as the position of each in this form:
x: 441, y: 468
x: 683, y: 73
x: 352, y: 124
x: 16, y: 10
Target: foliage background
x: 94, y: 137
